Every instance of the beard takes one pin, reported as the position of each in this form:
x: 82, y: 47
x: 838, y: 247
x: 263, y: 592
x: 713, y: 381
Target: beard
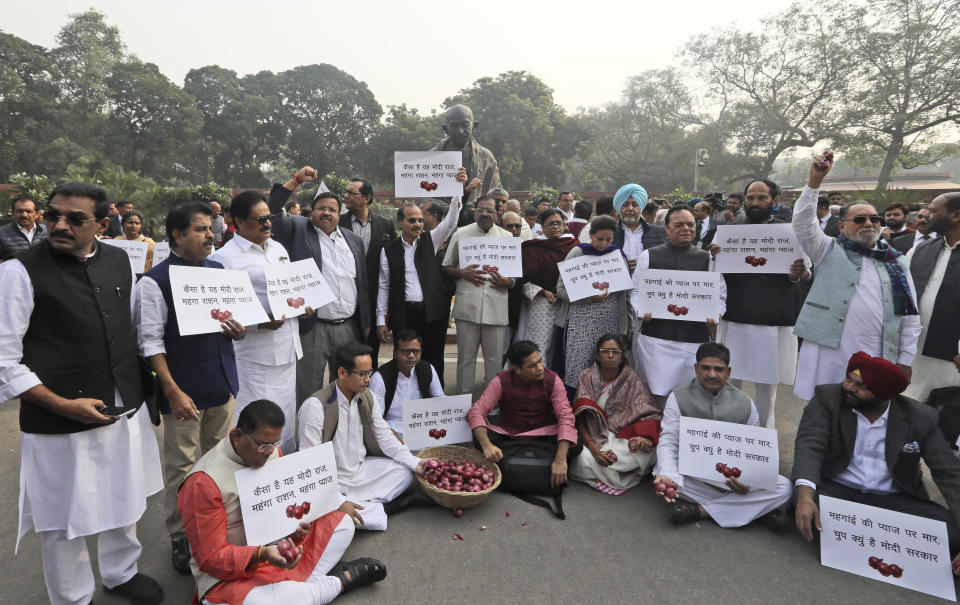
x: 867, y: 237
x: 861, y: 405
x: 630, y: 220
x: 758, y: 214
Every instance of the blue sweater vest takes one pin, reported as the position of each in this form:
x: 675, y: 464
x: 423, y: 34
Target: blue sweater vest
x: 202, y: 365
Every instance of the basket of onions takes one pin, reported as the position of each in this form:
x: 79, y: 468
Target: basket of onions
x: 461, y: 478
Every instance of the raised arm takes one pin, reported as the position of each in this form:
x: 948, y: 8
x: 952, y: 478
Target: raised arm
x: 806, y: 225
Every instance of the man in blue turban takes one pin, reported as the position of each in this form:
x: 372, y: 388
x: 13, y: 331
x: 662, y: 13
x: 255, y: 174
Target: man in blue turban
x: 634, y: 235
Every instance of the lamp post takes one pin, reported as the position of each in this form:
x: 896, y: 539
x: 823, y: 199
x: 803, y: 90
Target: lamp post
x: 699, y: 160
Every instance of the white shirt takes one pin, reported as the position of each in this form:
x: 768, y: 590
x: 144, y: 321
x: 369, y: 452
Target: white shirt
x: 150, y: 317
x: 407, y: 390
x: 348, y: 447
x: 340, y: 271
x: 15, y: 311
x: 868, y: 470
x: 411, y: 278
x: 668, y: 447
x: 826, y: 219
x: 919, y: 239
x: 632, y: 241
x: 29, y: 233
x: 567, y: 215
x: 266, y: 347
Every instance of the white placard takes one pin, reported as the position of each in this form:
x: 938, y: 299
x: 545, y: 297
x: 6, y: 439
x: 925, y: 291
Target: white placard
x: 438, y: 413
x: 587, y: 275
x: 756, y: 248
x: 500, y: 254
x: 161, y: 252
x: 427, y: 173
x: 292, y: 287
x: 199, y: 291
x: 309, y: 475
x: 753, y: 450
x: 136, y: 252
x: 684, y: 295
x: 852, y: 533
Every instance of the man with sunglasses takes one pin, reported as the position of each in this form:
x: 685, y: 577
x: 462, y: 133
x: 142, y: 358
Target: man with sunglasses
x: 404, y: 378
x: 89, y: 456
x: 373, y: 466
x: 411, y: 281
x: 861, y: 283
x: 267, y: 356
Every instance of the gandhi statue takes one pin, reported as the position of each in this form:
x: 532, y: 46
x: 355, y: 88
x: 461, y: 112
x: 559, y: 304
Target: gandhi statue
x: 483, y: 174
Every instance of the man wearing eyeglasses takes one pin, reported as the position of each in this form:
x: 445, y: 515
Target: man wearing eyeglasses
x: 375, y: 232
x: 89, y: 456
x: 411, y: 282
x: 481, y: 305
x: 267, y: 356
x: 373, y: 466
x: 404, y: 378
x: 339, y: 255
x: 861, y: 283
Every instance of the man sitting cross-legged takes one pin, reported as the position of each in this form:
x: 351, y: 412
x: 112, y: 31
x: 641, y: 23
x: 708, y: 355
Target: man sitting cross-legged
x: 709, y: 396
x: 225, y: 567
x: 373, y: 467
x: 406, y: 377
x: 862, y: 441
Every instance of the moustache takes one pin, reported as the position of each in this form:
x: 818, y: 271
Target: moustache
x: 208, y: 242
x: 62, y: 234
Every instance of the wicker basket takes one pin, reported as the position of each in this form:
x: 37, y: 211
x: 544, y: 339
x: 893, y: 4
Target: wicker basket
x: 458, y: 499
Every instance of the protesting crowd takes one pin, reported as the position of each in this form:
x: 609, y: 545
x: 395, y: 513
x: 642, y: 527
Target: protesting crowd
x: 863, y: 324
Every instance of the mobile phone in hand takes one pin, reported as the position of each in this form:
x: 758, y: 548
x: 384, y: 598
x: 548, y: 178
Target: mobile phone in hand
x: 113, y: 413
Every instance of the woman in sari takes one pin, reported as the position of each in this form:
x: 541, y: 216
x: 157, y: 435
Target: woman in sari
x: 616, y: 420
x: 540, y: 277
x: 131, y: 223
x: 586, y: 319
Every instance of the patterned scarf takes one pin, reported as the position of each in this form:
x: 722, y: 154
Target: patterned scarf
x: 887, y: 256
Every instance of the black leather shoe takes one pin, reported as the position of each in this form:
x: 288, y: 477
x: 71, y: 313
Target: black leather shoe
x: 776, y: 521
x: 684, y: 512
x: 181, y: 555
x: 140, y: 590
x: 406, y: 501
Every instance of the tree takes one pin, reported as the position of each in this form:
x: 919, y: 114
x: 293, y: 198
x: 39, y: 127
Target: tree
x: 28, y: 106
x: 403, y: 129
x: 87, y: 48
x: 154, y: 119
x: 518, y: 119
x: 649, y: 137
x: 241, y: 131
x: 775, y: 89
x: 907, y: 81
x: 326, y: 114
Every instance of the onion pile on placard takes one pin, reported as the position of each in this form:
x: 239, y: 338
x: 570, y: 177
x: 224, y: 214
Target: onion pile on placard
x: 458, y: 476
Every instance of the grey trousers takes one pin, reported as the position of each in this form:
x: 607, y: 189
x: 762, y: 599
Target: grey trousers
x: 470, y: 337
x: 319, y: 345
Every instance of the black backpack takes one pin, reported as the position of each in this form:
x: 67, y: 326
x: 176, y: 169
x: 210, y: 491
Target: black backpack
x: 525, y: 467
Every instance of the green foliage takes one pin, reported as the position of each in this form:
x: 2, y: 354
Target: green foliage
x: 334, y: 183
x: 881, y: 198
x: 677, y: 197
x: 540, y: 193
x: 37, y: 186
x: 209, y: 192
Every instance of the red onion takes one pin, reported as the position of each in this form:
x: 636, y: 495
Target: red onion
x: 660, y: 486
x: 670, y: 492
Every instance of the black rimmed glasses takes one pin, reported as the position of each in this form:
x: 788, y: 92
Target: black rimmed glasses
x: 75, y: 219
x: 876, y: 219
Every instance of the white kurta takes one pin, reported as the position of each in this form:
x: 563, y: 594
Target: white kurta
x: 929, y: 372
x: 727, y: 508
x: 366, y: 480
x: 862, y: 328
x: 664, y: 364
x: 63, y: 478
x: 266, y: 359
x: 754, y: 348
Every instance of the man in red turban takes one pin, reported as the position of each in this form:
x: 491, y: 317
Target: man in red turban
x: 862, y: 441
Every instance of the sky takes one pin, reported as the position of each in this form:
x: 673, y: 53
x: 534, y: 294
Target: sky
x: 416, y: 53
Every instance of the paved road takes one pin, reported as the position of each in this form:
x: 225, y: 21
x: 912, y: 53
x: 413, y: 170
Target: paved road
x: 609, y: 549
